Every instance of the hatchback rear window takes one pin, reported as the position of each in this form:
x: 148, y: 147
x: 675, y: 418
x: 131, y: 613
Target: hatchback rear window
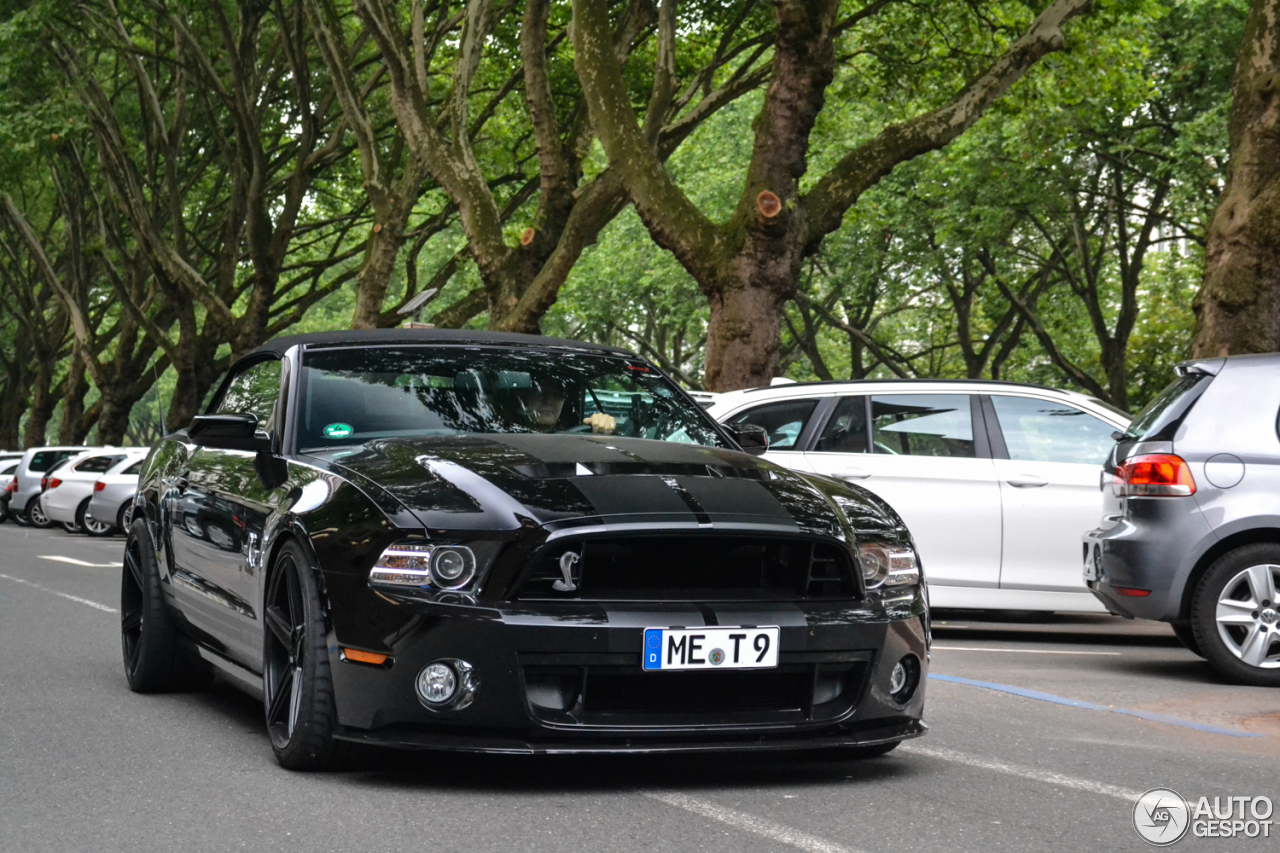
x: 1160, y: 419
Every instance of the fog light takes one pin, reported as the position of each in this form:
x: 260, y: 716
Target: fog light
x: 437, y: 683
x: 904, y: 679
x: 897, y: 678
x: 447, y: 685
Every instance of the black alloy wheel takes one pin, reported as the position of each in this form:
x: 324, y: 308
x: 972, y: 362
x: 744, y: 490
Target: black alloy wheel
x: 156, y: 657
x: 296, y: 681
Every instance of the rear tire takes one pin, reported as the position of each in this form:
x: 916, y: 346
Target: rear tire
x: 157, y: 659
x: 1187, y: 636
x: 35, y: 514
x: 71, y: 527
x: 1234, y: 614
x: 89, y: 524
x: 301, y: 713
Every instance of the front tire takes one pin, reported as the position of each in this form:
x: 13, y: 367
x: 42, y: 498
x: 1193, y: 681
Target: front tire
x: 1236, y: 615
x: 156, y: 657
x: 297, y: 685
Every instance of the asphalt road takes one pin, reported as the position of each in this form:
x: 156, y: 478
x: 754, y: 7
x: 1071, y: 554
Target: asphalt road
x: 85, y: 765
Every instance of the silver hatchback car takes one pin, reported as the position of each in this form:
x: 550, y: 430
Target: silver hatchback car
x: 1190, y: 533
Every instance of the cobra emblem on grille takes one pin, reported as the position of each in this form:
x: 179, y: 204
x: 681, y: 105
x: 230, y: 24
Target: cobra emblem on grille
x: 567, y: 561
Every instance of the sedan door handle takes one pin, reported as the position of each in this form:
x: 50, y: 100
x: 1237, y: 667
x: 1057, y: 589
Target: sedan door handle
x: 1027, y: 482
x: 851, y: 474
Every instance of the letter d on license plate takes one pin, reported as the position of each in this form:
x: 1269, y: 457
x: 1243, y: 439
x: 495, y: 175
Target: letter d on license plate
x: 710, y: 648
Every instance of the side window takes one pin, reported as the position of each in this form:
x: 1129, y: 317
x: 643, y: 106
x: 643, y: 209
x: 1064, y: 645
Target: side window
x: 784, y: 421
x: 134, y: 469
x: 1044, y: 431
x: 254, y: 391
x: 922, y: 425
x: 846, y: 431
x: 97, y: 464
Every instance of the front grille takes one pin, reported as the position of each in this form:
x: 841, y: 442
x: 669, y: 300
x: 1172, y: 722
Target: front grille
x: 694, y: 567
x: 697, y: 692
x: 605, y: 695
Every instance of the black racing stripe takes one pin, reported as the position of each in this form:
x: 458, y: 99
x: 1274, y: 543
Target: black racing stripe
x: 689, y: 501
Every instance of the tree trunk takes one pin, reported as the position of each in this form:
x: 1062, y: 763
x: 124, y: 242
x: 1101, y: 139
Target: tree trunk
x: 42, y: 403
x: 74, y: 386
x: 14, y: 401
x: 1238, y: 307
x: 748, y: 266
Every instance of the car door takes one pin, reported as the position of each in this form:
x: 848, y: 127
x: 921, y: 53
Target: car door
x: 217, y: 515
x: 788, y: 423
x: 921, y: 453
x: 1049, y: 486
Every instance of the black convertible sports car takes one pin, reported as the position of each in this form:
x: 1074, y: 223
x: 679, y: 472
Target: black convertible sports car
x: 462, y: 540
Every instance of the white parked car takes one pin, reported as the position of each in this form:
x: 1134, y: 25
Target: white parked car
x: 113, y: 496
x: 997, y: 481
x: 69, y: 487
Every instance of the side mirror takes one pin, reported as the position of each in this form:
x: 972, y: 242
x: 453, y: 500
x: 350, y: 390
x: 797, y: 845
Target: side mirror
x: 751, y: 438
x: 228, y: 432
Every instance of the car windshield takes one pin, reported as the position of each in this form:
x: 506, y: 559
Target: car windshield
x: 350, y: 396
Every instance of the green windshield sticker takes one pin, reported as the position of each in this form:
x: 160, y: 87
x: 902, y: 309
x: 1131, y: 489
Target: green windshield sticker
x: 338, y: 430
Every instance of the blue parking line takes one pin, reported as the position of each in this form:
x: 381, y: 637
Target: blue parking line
x: 1089, y: 706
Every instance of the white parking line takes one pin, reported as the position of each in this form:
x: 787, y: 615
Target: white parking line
x: 1020, y: 651
x: 1025, y: 772
x: 749, y: 823
x: 73, y: 561
x: 77, y: 599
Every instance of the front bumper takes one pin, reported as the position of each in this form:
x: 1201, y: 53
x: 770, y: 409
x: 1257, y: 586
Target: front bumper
x: 831, y: 687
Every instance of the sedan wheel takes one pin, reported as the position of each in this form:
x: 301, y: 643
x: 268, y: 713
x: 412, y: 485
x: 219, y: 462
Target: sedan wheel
x: 297, y: 685
x: 1236, y: 615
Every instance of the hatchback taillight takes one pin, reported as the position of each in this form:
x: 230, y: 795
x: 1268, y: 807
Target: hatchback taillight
x: 99, y: 486
x: 44, y: 483
x: 1153, y: 475
x: 54, y: 483
x: 13, y: 485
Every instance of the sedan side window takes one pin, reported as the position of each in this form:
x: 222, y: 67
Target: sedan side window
x: 922, y: 425
x: 254, y: 391
x: 784, y: 421
x: 846, y: 431
x: 1044, y: 431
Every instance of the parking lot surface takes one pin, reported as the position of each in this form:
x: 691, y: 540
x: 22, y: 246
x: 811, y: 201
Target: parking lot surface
x: 1042, y: 737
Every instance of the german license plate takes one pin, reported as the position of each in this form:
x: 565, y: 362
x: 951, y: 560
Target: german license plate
x: 710, y: 648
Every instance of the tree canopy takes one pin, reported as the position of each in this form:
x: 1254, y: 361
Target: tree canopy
x: 737, y: 190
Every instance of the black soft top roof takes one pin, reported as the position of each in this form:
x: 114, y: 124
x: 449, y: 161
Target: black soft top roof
x: 378, y: 337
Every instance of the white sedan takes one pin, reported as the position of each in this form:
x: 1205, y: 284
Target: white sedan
x: 65, y: 499
x: 997, y: 481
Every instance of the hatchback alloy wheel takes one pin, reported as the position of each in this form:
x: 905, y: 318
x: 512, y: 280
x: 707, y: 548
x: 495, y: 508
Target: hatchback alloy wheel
x: 1248, y: 614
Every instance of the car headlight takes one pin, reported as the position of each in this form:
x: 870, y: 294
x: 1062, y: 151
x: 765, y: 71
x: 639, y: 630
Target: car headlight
x: 448, y: 567
x: 888, y: 564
